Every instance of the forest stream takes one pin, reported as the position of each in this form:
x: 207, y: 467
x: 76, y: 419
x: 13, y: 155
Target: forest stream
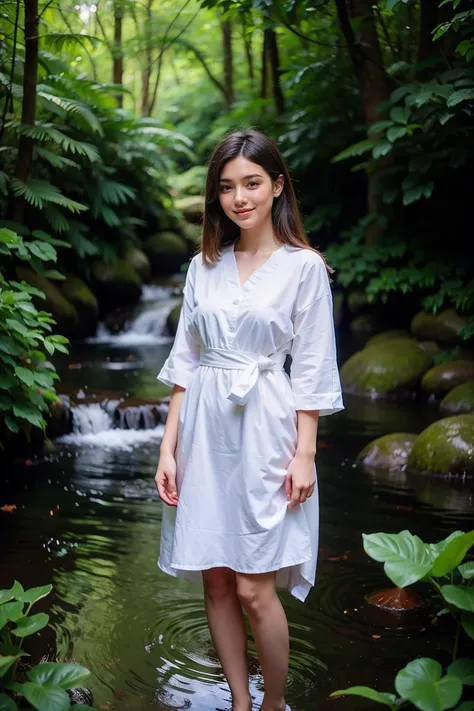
x: 87, y: 519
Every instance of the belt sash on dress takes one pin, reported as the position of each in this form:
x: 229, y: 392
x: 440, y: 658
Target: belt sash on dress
x: 251, y: 365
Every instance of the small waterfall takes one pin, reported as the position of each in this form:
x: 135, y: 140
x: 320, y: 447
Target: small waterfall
x: 108, y: 425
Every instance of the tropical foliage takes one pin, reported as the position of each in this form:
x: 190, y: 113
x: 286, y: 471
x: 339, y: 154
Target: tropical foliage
x: 43, y: 686
x: 408, y: 560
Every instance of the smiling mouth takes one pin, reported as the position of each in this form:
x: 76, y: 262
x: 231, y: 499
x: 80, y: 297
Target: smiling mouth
x: 243, y: 212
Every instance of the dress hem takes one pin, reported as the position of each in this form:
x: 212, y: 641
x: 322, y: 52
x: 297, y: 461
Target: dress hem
x: 173, y: 567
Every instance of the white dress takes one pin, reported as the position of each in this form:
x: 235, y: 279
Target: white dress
x: 237, y: 427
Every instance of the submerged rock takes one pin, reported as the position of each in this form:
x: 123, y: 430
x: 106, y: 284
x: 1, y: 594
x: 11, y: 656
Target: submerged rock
x: 430, y: 347
x: 64, y: 313
x: 79, y: 294
x: 389, y: 367
x: 396, y: 599
x: 444, y: 326
x: 116, y: 284
x: 192, y: 208
x: 390, y: 335
x: 139, y: 261
x: 173, y: 318
x: 388, y: 452
x: 459, y: 399
x: 445, y: 447
x: 445, y: 376
x: 167, y: 251
x: 364, y: 323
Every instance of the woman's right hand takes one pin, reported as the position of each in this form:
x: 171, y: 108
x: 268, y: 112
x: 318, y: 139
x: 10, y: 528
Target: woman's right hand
x: 165, y: 479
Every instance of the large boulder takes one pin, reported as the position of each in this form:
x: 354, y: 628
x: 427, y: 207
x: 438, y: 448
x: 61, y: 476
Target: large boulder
x: 192, y: 208
x: 79, y: 294
x: 167, y: 251
x: 445, y: 376
x: 390, y: 335
x: 445, y: 447
x: 393, y: 366
x: 173, y: 318
x: 444, y: 326
x: 116, y: 284
x: 139, y: 261
x: 63, y: 312
x: 459, y: 399
x: 388, y: 452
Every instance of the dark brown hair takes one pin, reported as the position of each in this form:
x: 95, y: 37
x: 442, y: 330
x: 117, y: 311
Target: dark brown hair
x: 218, y: 230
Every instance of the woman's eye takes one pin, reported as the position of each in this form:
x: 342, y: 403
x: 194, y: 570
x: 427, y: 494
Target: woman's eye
x: 253, y: 184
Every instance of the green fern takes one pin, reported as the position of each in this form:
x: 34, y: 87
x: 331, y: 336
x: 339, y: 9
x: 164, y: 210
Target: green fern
x: 38, y: 192
x: 55, y: 219
x: 115, y: 193
x: 70, y: 106
x: 54, y: 159
x: 15, y: 89
x: 57, y: 41
x: 48, y: 132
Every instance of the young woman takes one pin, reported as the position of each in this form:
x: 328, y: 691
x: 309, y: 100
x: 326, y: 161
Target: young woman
x: 236, y: 466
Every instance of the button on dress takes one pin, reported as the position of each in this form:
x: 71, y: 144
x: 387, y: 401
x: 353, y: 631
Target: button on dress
x: 237, y: 431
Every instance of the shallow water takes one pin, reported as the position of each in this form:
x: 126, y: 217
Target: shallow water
x: 88, y: 521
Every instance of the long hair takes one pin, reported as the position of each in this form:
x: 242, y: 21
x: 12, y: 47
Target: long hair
x: 218, y: 230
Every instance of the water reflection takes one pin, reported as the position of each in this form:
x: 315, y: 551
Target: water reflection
x: 88, y: 520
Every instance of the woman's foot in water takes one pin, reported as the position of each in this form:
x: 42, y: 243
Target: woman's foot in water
x: 244, y: 705
x: 273, y: 706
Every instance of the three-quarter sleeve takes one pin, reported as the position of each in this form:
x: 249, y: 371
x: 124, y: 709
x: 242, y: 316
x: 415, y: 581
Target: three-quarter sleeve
x: 314, y: 371
x: 184, y: 356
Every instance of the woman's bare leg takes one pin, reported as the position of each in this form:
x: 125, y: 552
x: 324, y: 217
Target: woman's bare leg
x: 259, y: 598
x: 226, y: 624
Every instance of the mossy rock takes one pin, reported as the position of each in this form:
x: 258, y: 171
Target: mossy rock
x: 167, y: 251
x: 444, y: 326
x: 445, y: 447
x: 116, y: 284
x: 62, y: 310
x: 389, y: 335
x: 459, y: 399
x: 192, y: 208
x: 392, y: 366
x: 79, y: 294
x: 173, y: 318
x: 430, y: 347
x: 388, y: 452
x: 445, y: 376
x: 139, y: 261
x: 356, y: 301
x: 364, y: 323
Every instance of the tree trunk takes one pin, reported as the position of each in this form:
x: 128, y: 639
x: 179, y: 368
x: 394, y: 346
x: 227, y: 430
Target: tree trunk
x: 146, y: 73
x: 264, y: 86
x: 117, y: 72
x: 28, y: 110
x: 366, y: 57
x: 274, y: 64
x: 228, y: 66
x: 248, y: 51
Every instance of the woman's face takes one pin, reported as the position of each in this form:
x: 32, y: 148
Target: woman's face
x: 246, y: 192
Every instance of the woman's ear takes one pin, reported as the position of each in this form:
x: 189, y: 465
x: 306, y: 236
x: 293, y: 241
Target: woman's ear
x: 278, y: 186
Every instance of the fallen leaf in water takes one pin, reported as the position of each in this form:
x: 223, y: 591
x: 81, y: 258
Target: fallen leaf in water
x: 29, y: 462
x: 344, y: 556
x: 325, y: 445
x: 376, y: 636
x: 131, y: 357
x: 8, y: 507
x: 400, y: 507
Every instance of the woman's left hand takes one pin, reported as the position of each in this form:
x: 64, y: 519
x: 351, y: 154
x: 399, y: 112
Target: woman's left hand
x: 300, y: 479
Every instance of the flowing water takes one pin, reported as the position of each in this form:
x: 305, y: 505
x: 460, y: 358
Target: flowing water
x: 87, y: 519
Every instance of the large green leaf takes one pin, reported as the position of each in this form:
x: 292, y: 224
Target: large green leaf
x: 367, y: 693
x: 464, y: 669
x: 30, y: 625
x: 64, y: 676
x: 465, y: 706
x: 421, y: 683
x: 467, y: 622
x: 10, y: 612
x: 407, y: 559
x: 459, y: 595
x: 7, y: 703
x: 46, y: 698
x: 34, y: 594
x: 467, y: 570
x: 6, y: 662
x: 452, y: 555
